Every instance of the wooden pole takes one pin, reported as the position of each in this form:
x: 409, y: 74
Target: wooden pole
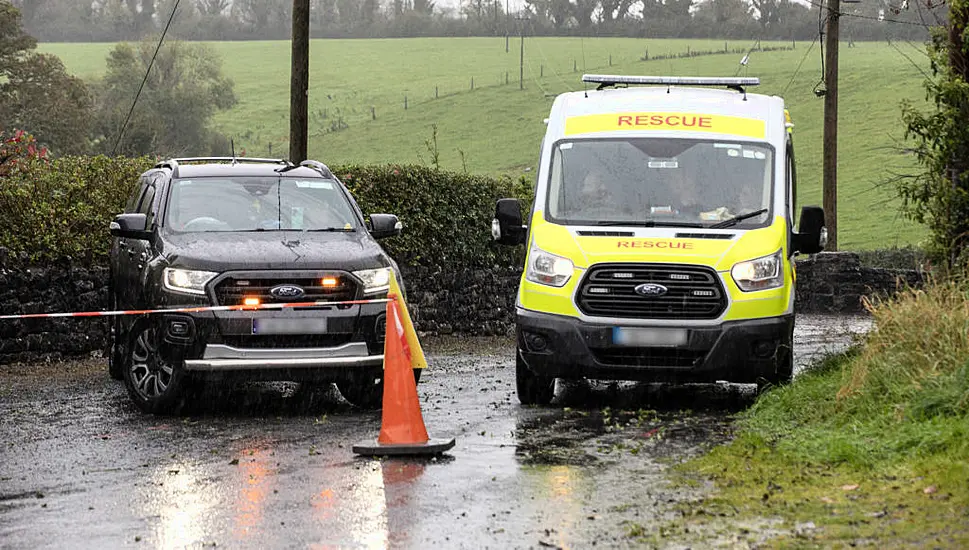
x: 830, y: 154
x: 299, y: 83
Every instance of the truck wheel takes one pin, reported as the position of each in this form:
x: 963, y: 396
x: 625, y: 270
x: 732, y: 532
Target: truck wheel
x: 533, y: 389
x: 155, y: 385
x: 367, y: 392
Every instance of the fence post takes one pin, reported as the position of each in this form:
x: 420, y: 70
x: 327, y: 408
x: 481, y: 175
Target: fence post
x: 541, y: 71
x: 506, y: 77
x: 405, y: 103
x: 575, y: 66
x: 435, y: 92
x: 725, y: 46
x: 270, y: 148
x: 373, y: 113
x: 646, y: 55
x: 610, y: 60
x: 472, y: 82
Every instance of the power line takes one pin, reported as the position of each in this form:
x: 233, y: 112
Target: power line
x: 145, y: 80
x: 869, y: 17
x: 798, y: 69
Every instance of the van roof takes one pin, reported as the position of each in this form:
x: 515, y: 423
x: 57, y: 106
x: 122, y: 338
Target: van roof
x: 666, y: 98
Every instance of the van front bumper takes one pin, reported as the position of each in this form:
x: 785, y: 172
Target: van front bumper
x: 734, y: 351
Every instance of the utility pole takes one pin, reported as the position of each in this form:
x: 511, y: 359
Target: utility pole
x: 521, y: 55
x: 506, y: 26
x: 300, y: 81
x: 830, y: 155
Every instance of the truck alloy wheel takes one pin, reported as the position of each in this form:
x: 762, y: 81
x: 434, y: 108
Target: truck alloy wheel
x: 154, y: 384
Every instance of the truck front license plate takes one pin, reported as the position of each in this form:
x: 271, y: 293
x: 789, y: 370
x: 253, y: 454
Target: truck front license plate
x: 289, y: 326
x: 645, y: 337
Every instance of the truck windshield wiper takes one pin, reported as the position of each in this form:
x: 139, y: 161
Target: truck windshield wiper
x: 737, y: 219
x: 648, y: 223
x: 331, y: 230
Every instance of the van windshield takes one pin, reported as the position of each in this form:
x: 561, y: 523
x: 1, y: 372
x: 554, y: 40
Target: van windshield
x: 256, y: 203
x: 647, y: 181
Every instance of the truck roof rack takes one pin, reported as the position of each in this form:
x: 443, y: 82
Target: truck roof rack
x: 173, y: 163
x: 734, y: 83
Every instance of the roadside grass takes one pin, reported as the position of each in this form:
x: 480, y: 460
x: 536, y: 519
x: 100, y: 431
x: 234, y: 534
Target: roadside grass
x: 497, y: 128
x: 871, y: 447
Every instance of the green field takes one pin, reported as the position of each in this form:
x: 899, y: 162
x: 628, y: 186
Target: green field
x: 497, y: 128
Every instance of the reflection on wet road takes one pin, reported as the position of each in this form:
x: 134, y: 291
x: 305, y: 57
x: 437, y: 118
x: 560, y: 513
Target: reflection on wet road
x: 270, y: 466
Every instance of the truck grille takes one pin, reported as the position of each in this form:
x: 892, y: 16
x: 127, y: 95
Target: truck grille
x: 693, y: 292
x: 327, y: 287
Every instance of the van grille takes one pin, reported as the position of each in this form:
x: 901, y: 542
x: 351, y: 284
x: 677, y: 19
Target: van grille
x: 693, y: 292
x: 232, y: 291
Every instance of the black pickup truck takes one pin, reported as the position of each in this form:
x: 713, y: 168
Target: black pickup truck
x: 238, y: 231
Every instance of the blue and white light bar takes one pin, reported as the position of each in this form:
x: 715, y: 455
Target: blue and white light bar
x: 613, y: 79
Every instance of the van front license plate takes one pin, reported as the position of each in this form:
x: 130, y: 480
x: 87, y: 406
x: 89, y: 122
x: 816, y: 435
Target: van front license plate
x: 646, y: 337
x: 289, y: 326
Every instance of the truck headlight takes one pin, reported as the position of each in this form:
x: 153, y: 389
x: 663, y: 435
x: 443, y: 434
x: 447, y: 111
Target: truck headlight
x: 374, y: 280
x: 548, y: 269
x: 186, y: 280
x: 759, y: 274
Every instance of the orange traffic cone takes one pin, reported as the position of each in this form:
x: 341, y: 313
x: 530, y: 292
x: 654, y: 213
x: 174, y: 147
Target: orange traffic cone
x: 402, y: 430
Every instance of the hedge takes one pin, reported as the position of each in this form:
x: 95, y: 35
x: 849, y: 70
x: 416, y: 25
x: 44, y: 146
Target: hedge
x: 59, y: 211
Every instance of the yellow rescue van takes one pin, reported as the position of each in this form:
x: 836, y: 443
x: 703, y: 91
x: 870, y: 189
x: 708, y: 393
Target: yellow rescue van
x: 661, y: 240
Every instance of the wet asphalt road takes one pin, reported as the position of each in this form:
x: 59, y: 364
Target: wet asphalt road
x: 264, y: 465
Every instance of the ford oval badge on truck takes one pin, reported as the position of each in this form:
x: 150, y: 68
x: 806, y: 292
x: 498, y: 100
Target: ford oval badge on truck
x: 287, y: 291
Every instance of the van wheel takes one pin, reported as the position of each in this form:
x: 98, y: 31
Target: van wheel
x: 367, y: 392
x: 155, y: 385
x: 783, y: 366
x: 533, y: 389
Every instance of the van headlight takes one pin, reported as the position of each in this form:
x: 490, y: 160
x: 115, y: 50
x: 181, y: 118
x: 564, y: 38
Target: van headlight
x: 374, y: 280
x: 186, y: 280
x: 759, y: 274
x: 548, y: 269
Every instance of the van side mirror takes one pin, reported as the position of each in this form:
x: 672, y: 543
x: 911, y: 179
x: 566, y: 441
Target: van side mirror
x: 385, y: 225
x: 811, y: 236
x: 131, y: 226
x: 507, y: 226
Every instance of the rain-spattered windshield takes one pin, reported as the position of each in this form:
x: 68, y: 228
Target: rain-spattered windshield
x: 258, y: 204
x: 660, y: 181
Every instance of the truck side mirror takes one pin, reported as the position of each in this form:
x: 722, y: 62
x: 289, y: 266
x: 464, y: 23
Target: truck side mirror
x: 131, y: 226
x: 811, y: 236
x: 507, y: 226
x: 385, y: 225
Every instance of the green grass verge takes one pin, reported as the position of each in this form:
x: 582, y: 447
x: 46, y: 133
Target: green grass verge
x: 871, y: 447
x: 497, y: 129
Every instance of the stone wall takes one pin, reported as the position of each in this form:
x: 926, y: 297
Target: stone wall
x: 473, y: 302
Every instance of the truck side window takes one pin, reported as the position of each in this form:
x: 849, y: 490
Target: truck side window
x: 146, y: 205
x: 135, y: 198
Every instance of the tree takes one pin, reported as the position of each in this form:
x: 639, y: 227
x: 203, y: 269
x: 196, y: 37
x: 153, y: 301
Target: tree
x: 939, y: 196
x: 36, y: 93
x: 184, y: 90
x: 213, y: 7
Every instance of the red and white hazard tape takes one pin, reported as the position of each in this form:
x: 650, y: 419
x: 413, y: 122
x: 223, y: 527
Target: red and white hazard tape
x: 199, y: 309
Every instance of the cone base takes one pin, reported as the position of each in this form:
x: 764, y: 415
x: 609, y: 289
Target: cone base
x: 375, y: 448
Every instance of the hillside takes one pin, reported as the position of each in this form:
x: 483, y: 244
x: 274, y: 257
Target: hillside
x: 497, y: 128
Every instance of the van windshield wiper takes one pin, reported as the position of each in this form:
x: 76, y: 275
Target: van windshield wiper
x: 737, y: 219
x: 648, y: 223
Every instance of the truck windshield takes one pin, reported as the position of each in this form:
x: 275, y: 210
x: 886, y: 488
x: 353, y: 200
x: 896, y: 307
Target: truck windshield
x: 659, y: 181
x: 258, y: 204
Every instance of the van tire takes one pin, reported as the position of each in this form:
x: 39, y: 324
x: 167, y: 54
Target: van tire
x: 533, y: 389
x: 783, y: 366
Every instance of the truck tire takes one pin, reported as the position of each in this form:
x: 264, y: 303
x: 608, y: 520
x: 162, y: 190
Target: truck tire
x: 533, y: 389
x: 367, y: 392
x: 156, y: 386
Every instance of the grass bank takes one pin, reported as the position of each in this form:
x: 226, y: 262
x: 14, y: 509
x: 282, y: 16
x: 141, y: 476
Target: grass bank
x: 869, y: 448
